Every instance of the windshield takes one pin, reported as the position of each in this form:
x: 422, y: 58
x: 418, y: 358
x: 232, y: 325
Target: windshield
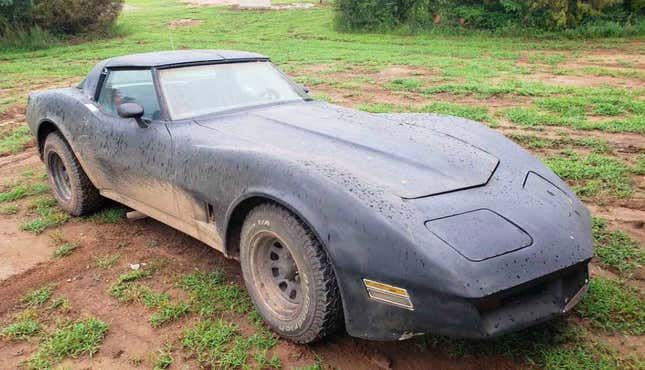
x: 199, y: 90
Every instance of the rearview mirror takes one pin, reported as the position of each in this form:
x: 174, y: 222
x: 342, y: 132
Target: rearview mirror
x: 132, y: 110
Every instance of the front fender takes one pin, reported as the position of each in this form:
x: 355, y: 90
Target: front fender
x: 363, y: 238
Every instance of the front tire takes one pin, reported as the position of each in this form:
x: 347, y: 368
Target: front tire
x: 288, y: 275
x: 72, y: 188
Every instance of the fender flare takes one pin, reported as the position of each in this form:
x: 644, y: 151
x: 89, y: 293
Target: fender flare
x: 247, y: 201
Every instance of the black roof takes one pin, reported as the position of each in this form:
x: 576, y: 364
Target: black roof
x: 165, y: 59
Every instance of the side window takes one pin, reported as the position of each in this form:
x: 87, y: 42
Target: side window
x: 130, y: 86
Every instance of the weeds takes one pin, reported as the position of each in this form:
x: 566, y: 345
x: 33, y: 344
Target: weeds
x: 66, y: 249
x: 22, y: 191
x: 10, y: 209
x: 33, y: 38
x: 164, y: 359
x: 72, y: 340
x: 208, y: 339
x: 317, y: 365
x: 49, y: 213
x: 16, y: 141
x: 152, y: 299
x: 535, y: 142
x: 613, y: 307
x: 107, y: 261
x: 555, y: 345
x: 615, y: 248
x: 531, y: 117
x: 37, y: 297
x: 218, y: 344
x: 123, y: 289
x: 407, y: 84
x: 592, y: 175
x: 263, y: 362
x: 169, y: 312
x: 209, y: 293
x: 466, y: 111
x: 21, y: 329
x: 108, y: 215
x: 452, y: 109
x: 61, y: 303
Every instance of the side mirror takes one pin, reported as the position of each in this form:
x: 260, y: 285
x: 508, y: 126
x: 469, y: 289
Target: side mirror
x: 132, y: 110
x: 305, y: 88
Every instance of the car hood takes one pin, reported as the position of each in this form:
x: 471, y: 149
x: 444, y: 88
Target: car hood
x: 410, y: 161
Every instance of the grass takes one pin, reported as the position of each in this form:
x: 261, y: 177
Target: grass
x: 164, y: 359
x: 593, y: 175
x: 263, y: 362
x: 22, y: 191
x: 61, y: 303
x: 218, y: 344
x: 66, y: 249
x: 613, y: 307
x: 616, y: 249
x: 407, y: 84
x: 208, y: 339
x: 210, y: 293
x: 37, y: 297
x: 107, y: 261
x: 554, y: 345
x: 169, y: 312
x: 21, y: 38
x: 21, y: 330
x: 536, y: 142
x: 109, y: 215
x: 123, y: 289
x: 75, y: 339
x: 49, y: 214
x: 152, y: 299
x: 15, y: 141
x: 127, y: 289
x: 532, y: 117
x: 317, y: 365
x: 10, y: 209
x: 476, y: 113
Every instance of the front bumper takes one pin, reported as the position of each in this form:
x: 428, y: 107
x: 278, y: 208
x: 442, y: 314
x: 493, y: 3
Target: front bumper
x: 513, y: 309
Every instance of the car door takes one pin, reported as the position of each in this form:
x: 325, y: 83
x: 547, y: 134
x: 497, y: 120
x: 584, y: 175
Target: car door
x: 134, y: 162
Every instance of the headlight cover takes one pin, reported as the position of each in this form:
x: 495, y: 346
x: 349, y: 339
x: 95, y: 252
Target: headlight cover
x: 480, y: 234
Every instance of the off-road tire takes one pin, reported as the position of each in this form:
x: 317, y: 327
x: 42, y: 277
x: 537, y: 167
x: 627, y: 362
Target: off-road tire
x: 320, y: 313
x: 83, y: 197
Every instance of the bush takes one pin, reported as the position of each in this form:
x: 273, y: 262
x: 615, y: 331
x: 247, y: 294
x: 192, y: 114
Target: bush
x: 76, y: 16
x: 14, y: 11
x: 25, y: 17
x: 552, y: 15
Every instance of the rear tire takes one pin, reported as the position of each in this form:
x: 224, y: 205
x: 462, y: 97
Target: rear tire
x: 288, y: 275
x: 72, y: 188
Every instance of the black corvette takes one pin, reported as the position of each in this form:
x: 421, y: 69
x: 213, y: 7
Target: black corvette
x: 395, y: 224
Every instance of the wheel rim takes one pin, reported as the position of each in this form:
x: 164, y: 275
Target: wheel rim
x: 60, y: 177
x: 276, y: 276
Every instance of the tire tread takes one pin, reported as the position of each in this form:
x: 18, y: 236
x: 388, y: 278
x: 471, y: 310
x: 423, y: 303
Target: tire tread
x: 328, y: 316
x: 87, y: 198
